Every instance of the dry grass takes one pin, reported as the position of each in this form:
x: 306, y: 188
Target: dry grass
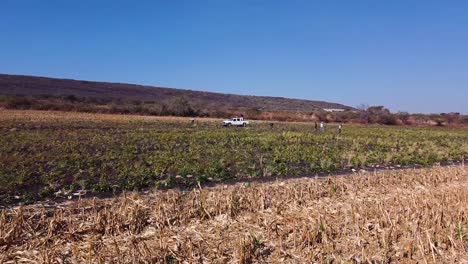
x: 37, y: 116
x: 406, y: 216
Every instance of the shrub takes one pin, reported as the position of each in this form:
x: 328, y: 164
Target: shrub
x: 18, y: 103
x: 439, y: 122
x: 179, y: 106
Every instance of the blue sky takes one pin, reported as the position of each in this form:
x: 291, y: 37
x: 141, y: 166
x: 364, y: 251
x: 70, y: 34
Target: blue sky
x: 405, y: 54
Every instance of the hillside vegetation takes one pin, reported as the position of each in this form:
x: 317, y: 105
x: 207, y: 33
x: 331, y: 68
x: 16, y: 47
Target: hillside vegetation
x: 40, y: 93
x: 105, y: 93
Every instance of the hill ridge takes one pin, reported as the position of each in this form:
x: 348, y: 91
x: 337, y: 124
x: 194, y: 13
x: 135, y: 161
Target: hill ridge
x: 26, y: 85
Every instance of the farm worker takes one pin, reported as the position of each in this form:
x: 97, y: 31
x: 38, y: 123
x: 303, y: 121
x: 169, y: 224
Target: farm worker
x: 340, y: 127
x: 316, y: 126
x: 322, y: 126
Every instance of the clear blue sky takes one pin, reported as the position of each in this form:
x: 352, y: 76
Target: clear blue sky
x: 405, y: 54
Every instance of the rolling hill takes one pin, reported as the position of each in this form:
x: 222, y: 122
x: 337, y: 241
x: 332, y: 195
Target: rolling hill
x: 32, y: 86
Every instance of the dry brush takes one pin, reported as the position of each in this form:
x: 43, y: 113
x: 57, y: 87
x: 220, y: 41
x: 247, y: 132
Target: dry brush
x: 394, y: 216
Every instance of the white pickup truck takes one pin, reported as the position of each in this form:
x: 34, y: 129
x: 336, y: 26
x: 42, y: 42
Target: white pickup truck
x: 235, y: 121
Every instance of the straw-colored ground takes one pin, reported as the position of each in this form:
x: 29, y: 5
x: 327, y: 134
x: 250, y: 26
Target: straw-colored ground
x: 36, y: 116
x: 406, y: 216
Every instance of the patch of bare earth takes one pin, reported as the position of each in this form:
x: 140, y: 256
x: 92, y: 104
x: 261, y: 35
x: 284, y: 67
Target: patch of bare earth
x: 405, y: 216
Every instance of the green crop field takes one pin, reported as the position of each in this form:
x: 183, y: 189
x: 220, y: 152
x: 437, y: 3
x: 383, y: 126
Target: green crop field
x: 45, y: 152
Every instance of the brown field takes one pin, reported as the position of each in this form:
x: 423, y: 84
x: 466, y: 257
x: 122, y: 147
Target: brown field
x: 404, y: 216
x: 37, y: 116
x: 49, y: 117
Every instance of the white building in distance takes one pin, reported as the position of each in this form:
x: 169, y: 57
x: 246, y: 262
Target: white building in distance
x: 333, y: 110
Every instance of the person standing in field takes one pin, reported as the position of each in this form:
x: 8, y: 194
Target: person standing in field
x: 340, y: 127
x: 316, y: 126
x: 322, y: 126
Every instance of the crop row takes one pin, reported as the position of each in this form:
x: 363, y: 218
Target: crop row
x: 102, y: 156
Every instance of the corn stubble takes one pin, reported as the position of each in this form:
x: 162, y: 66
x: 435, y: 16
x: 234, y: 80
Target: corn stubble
x: 406, y: 216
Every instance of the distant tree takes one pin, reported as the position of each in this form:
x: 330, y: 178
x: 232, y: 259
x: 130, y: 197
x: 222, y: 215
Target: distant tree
x: 136, y: 102
x: 254, y: 112
x: 180, y: 106
x: 381, y: 115
x: 403, y: 116
x: 71, y: 98
x: 19, y: 103
x: 377, y: 110
x: 115, y: 101
x: 164, y: 110
x: 388, y: 119
x: 321, y: 115
x: 362, y: 107
x: 452, y: 118
x: 464, y: 120
x: 439, y: 122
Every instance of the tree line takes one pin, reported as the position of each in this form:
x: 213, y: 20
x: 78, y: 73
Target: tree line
x: 181, y: 106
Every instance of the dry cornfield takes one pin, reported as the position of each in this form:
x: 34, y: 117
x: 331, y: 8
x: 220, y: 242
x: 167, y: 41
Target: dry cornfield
x: 404, y: 216
x: 36, y: 116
